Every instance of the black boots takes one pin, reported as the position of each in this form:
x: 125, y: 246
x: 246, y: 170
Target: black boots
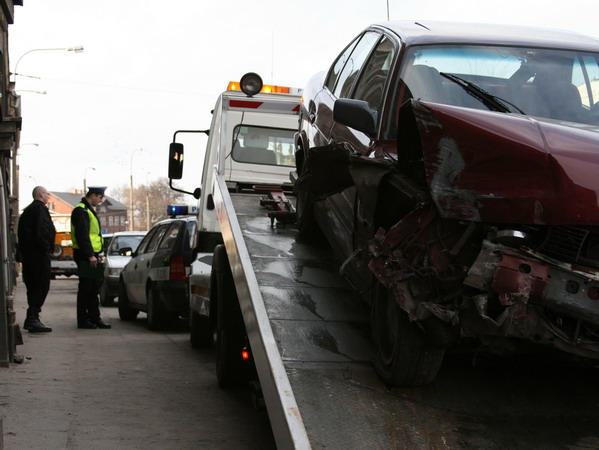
x: 33, y: 323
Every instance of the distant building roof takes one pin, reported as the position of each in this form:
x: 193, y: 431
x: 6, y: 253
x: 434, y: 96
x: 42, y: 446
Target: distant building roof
x: 73, y: 199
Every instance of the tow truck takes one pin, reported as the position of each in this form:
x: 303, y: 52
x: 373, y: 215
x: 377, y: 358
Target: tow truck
x: 280, y: 315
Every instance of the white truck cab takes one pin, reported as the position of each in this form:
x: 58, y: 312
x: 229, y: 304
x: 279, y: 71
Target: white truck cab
x: 250, y: 145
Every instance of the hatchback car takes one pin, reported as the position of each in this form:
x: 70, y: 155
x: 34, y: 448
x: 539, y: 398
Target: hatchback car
x: 115, y: 261
x: 155, y: 279
x: 453, y: 168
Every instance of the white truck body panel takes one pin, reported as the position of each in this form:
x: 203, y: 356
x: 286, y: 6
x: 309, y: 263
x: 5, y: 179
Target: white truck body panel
x: 274, y: 111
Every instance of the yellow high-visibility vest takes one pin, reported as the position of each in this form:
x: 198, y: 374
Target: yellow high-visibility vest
x: 94, y: 230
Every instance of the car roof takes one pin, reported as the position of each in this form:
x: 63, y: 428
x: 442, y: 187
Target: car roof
x: 176, y: 219
x: 127, y: 233
x: 437, y: 32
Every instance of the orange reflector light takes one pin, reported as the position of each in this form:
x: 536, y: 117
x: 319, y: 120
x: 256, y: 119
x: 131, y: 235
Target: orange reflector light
x: 245, y: 354
x: 267, y: 88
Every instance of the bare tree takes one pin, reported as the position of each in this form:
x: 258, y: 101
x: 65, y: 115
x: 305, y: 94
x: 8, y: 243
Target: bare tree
x: 149, y: 202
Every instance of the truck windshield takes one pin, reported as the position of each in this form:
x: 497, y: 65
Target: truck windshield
x: 263, y: 145
x: 556, y: 84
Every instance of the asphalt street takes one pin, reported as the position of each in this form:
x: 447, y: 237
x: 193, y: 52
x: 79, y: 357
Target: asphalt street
x: 123, y: 388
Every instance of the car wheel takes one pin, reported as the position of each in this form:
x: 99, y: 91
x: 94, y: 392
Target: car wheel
x: 155, y: 313
x: 403, y: 356
x: 125, y: 311
x: 230, y: 329
x: 105, y: 299
x: 200, y: 334
x: 306, y: 222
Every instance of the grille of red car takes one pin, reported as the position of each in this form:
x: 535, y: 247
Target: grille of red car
x: 573, y: 245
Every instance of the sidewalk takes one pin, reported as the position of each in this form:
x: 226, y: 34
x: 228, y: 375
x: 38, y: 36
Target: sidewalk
x: 124, y: 388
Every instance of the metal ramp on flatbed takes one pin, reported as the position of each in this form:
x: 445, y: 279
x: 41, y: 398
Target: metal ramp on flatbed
x: 309, y: 335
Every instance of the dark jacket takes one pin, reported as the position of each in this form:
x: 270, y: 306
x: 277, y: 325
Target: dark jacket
x: 36, y: 230
x: 80, y: 223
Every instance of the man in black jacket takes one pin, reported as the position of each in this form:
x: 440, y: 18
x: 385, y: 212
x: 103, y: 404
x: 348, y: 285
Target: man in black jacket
x: 36, y: 234
x: 88, y: 243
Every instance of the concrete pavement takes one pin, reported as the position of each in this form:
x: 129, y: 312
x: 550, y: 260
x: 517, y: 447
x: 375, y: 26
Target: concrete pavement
x: 124, y: 388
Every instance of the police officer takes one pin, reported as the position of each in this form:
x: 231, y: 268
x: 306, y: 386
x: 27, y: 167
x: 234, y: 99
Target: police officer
x: 86, y: 234
x: 36, y: 234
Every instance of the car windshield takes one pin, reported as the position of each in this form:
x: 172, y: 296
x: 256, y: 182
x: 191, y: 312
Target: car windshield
x: 555, y: 84
x: 262, y: 145
x: 119, y: 242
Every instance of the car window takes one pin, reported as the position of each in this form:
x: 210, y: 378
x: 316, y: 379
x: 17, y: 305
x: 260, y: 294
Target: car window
x: 153, y: 244
x: 262, y: 145
x: 144, y: 243
x: 170, y: 237
x: 119, y: 242
x: 191, y: 229
x: 338, y: 65
x: 356, y: 60
x: 585, y: 77
x: 371, y: 85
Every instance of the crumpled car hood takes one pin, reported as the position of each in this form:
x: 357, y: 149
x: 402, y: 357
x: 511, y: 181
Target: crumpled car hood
x: 496, y: 167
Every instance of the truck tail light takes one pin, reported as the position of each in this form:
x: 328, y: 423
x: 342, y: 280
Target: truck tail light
x: 245, y: 354
x: 177, y: 269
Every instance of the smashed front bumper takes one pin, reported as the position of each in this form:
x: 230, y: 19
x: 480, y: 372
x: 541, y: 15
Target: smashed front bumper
x: 525, y: 295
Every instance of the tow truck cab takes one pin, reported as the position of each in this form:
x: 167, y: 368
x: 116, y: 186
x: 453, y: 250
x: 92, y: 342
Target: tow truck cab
x: 251, y: 146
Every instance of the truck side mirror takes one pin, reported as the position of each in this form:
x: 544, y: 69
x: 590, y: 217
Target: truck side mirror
x: 175, y: 161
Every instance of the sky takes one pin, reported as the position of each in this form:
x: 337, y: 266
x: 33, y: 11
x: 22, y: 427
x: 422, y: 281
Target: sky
x: 151, y: 67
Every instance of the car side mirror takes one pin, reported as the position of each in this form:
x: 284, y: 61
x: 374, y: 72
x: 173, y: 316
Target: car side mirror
x: 356, y: 114
x: 126, y: 251
x: 175, y: 161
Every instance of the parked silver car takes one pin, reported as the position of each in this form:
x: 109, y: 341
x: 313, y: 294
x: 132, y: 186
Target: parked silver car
x: 115, y: 262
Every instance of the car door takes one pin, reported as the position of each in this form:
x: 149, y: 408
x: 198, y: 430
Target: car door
x: 128, y: 271
x: 363, y: 77
x: 141, y: 267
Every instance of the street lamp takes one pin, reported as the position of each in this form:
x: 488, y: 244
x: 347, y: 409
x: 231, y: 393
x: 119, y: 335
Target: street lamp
x: 131, y: 189
x: 85, y: 179
x: 33, y: 92
x: 77, y: 49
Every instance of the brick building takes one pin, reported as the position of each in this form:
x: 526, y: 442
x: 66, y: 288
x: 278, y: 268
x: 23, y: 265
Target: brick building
x: 112, y: 214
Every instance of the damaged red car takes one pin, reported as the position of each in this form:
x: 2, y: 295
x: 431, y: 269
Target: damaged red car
x: 454, y: 169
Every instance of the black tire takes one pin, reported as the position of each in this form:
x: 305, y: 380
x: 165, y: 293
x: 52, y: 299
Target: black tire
x: 105, y: 299
x: 57, y: 251
x: 230, y: 329
x: 155, y: 312
x: 307, y: 226
x: 200, y: 330
x: 126, y: 313
x: 403, y: 356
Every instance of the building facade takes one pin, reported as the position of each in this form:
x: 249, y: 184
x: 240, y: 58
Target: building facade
x: 111, y: 213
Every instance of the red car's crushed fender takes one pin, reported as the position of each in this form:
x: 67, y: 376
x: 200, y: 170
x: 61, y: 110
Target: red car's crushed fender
x: 511, y: 168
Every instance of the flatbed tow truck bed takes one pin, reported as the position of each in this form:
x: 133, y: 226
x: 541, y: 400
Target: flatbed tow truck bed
x: 320, y: 327
x: 309, y: 335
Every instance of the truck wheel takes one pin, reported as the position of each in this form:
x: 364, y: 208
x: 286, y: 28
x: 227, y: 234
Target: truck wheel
x: 230, y: 329
x: 200, y: 334
x: 105, y: 299
x: 403, y: 355
x: 126, y: 313
x: 155, y: 313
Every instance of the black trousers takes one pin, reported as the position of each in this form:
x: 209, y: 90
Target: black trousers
x: 36, y: 275
x: 88, y: 303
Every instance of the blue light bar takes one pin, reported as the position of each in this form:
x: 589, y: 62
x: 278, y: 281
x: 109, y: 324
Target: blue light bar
x: 177, y: 210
